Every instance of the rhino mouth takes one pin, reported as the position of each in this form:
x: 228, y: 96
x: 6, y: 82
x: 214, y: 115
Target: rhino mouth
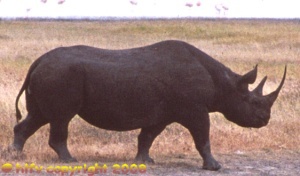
x: 263, y: 120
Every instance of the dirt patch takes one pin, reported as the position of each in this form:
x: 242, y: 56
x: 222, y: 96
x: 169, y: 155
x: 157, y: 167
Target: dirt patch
x: 284, y: 163
x: 238, y: 163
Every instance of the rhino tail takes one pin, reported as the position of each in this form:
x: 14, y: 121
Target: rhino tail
x: 24, y: 87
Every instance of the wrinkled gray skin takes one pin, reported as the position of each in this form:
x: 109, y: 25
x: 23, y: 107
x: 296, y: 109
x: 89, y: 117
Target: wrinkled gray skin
x: 148, y: 88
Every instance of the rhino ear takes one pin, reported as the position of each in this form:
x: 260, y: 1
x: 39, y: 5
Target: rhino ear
x: 248, y: 78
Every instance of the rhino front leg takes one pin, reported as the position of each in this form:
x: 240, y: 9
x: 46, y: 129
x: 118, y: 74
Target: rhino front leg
x: 209, y: 162
x: 199, y: 129
x: 145, y: 141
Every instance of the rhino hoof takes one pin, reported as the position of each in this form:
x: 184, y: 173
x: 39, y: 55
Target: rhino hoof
x: 144, y: 159
x: 69, y: 160
x: 213, y: 166
x: 14, y: 148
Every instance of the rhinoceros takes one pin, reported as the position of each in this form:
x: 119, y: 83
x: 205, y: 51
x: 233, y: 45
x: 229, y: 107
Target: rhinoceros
x: 143, y: 88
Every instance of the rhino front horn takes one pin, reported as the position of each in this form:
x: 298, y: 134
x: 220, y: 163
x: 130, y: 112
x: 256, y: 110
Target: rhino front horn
x: 272, y: 96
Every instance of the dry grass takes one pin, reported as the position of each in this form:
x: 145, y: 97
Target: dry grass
x: 238, y: 44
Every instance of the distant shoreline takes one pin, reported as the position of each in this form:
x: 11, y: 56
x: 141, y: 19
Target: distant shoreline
x: 137, y: 19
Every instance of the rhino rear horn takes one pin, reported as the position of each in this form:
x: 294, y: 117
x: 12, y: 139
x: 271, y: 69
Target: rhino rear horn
x: 272, y: 96
x: 259, y: 89
x: 249, y: 77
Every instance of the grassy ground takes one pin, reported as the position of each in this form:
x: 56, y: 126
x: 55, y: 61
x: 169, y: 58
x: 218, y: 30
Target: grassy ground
x: 239, y: 44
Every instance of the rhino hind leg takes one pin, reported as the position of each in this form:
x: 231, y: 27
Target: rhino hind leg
x: 199, y: 129
x: 58, y: 140
x: 25, y: 129
x: 145, y: 140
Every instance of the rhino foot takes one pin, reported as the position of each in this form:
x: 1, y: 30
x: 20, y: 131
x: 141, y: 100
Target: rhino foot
x: 68, y: 160
x: 146, y: 159
x: 15, y: 148
x: 13, y: 152
x: 212, y: 165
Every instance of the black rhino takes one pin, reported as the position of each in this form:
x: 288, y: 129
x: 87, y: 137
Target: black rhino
x: 148, y: 87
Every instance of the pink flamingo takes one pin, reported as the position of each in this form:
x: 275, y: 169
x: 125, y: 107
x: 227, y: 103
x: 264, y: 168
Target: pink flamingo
x: 189, y: 4
x: 60, y: 1
x: 133, y: 2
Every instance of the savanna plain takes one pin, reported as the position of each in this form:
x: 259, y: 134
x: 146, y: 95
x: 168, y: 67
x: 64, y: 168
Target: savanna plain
x: 238, y: 44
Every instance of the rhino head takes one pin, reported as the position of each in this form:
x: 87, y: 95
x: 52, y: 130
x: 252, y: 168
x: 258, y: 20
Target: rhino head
x: 249, y: 108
